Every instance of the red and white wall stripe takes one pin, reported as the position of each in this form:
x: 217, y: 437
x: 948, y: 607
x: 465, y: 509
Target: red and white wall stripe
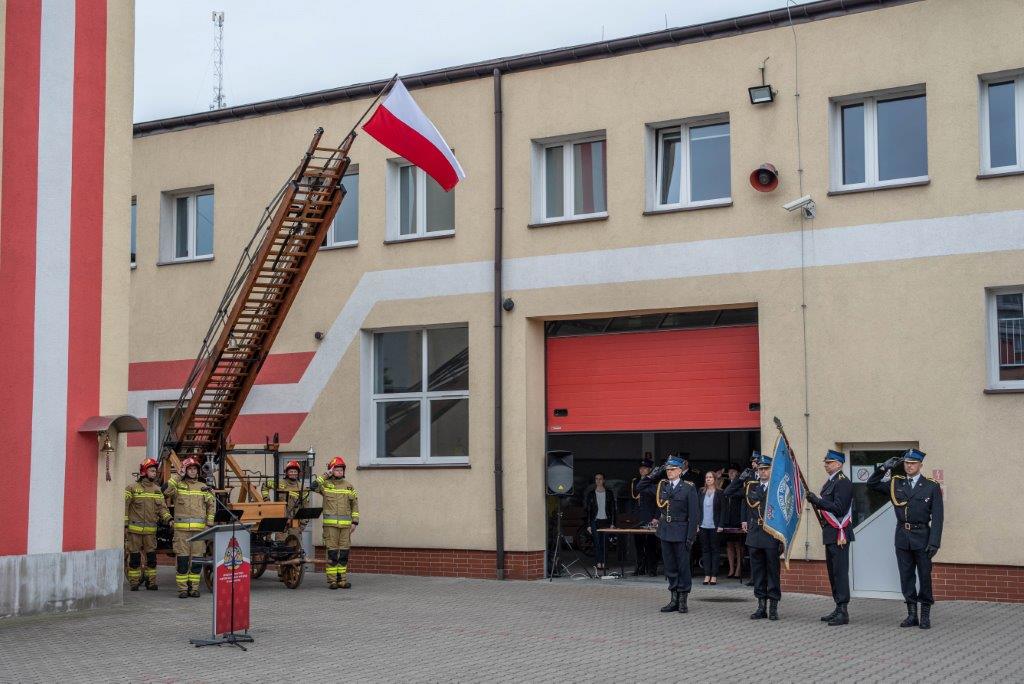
x: 51, y: 270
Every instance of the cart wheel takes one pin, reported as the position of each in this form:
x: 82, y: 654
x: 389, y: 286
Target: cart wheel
x: 291, y: 575
x: 208, y: 576
x: 259, y: 566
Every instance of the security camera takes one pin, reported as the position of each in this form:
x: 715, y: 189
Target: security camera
x: 806, y: 203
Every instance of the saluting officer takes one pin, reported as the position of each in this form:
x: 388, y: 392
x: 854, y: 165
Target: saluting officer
x: 646, y: 544
x: 764, y: 549
x: 918, y: 502
x: 677, y: 527
x: 835, y: 503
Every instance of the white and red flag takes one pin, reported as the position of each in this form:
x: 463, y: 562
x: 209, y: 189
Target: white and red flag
x: 402, y: 127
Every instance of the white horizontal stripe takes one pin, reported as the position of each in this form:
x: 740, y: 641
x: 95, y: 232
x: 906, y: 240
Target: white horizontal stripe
x: 973, y: 234
x: 53, y: 279
x: 400, y: 103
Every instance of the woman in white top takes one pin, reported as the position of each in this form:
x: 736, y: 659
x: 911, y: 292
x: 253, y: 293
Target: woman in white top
x: 601, y: 513
x: 711, y: 507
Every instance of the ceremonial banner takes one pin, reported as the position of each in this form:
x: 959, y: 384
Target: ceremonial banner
x: 231, y: 580
x: 785, y: 497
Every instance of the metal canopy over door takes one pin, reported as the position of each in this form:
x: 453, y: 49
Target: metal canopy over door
x: 697, y: 379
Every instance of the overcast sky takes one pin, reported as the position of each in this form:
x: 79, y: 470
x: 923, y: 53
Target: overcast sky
x: 276, y: 48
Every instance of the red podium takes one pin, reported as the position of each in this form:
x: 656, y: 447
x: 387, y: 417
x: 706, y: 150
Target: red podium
x: 232, y: 572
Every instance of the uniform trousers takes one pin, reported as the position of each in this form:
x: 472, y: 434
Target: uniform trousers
x: 764, y: 567
x: 915, y: 566
x: 837, y: 561
x: 337, y: 541
x: 676, y: 558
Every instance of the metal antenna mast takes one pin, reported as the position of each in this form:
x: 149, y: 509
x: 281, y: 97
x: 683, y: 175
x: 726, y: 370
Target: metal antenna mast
x: 219, y: 100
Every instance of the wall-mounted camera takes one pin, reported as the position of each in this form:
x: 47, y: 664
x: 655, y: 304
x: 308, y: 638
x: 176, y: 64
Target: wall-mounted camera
x: 805, y: 204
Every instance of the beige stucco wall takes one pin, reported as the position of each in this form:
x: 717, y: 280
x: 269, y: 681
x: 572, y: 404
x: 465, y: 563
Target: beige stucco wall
x: 896, y: 349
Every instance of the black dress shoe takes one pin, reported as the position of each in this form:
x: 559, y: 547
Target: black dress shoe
x: 773, y: 609
x: 911, y: 619
x: 760, y: 613
x: 835, y: 611
x: 673, y: 605
x: 926, y: 616
x: 841, y: 617
x: 683, y: 608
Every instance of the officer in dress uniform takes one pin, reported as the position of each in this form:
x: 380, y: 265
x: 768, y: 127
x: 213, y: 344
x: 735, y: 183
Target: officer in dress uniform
x: 646, y: 544
x: 834, y: 503
x: 735, y: 490
x: 918, y: 502
x: 764, y: 549
x: 677, y: 526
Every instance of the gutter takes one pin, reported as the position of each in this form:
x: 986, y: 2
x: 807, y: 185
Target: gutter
x: 499, y: 476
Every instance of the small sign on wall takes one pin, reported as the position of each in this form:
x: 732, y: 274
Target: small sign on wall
x: 861, y: 473
x: 937, y: 475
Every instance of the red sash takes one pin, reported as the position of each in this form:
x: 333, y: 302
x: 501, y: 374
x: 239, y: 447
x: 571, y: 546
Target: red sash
x: 840, y: 525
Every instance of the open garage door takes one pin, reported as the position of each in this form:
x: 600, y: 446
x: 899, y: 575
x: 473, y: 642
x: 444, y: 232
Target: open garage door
x: 695, y: 379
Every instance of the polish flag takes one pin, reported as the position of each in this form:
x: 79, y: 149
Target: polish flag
x: 402, y: 127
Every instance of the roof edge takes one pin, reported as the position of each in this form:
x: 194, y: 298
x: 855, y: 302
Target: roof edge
x: 694, y: 33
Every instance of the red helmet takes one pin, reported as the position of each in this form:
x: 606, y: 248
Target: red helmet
x: 146, y: 465
x: 335, y: 462
x: 188, y: 462
x: 292, y: 464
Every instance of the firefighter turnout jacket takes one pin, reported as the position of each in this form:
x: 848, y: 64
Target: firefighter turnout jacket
x: 193, y: 503
x: 297, y: 494
x: 341, y: 502
x: 144, y: 507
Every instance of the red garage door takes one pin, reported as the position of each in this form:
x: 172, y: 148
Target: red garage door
x: 703, y: 379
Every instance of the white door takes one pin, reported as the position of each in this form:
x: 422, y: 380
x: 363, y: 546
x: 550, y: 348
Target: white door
x: 873, y: 571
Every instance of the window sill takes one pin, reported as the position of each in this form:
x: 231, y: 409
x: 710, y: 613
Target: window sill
x: 874, y: 188
x: 405, y: 466
x: 417, y: 238
x: 185, y: 261
x: 569, y: 221
x: 1003, y: 390
x: 1000, y: 174
x: 344, y: 245
x: 692, y: 207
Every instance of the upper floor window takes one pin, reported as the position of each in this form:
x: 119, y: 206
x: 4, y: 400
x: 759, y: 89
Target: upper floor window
x: 879, y: 140
x: 417, y: 205
x: 1002, y: 124
x: 186, y: 230
x: 344, y: 230
x: 420, y: 395
x: 1006, y: 335
x: 570, y: 178
x: 134, y: 220
x: 691, y: 164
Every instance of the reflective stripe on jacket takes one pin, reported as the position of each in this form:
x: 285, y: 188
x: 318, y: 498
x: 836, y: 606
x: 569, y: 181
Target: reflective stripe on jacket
x: 341, y: 501
x: 193, y: 503
x: 144, y: 507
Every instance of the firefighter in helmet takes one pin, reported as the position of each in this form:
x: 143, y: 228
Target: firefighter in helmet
x: 193, y: 512
x: 341, y: 514
x: 144, y: 508
x: 291, y: 486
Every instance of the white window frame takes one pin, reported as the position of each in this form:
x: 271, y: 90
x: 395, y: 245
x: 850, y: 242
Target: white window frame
x: 330, y: 242
x: 394, y: 190
x: 993, y: 338
x: 654, y: 134
x: 870, y: 102
x: 152, y: 425
x: 368, y: 446
x: 169, y: 226
x: 1018, y: 84
x: 568, y: 170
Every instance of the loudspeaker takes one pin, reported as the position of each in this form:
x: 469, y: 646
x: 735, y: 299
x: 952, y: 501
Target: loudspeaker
x: 559, y: 472
x: 764, y: 178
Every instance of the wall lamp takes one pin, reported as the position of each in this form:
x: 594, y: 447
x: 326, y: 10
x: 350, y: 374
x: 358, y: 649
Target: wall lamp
x: 761, y: 94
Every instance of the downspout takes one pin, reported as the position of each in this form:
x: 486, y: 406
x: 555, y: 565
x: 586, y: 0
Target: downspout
x: 499, y: 497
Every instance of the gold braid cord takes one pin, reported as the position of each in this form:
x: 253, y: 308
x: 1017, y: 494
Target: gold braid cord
x: 892, y: 491
x: 756, y: 505
x: 657, y: 496
x: 632, y: 490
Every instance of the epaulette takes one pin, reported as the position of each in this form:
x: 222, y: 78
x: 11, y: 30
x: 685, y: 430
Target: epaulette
x: 840, y: 476
x: 689, y: 483
x: 931, y: 480
x: 899, y: 477
x: 750, y: 483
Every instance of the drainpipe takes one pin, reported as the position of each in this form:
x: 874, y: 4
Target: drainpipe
x: 499, y: 497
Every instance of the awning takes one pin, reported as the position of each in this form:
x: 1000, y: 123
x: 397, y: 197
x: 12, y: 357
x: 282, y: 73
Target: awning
x: 122, y: 423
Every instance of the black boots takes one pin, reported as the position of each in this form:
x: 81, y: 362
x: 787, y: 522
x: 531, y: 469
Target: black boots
x: 672, y: 605
x: 683, y: 608
x: 773, y: 609
x: 840, y: 618
x: 926, y: 616
x: 911, y: 619
x: 828, y: 618
x: 760, y: 613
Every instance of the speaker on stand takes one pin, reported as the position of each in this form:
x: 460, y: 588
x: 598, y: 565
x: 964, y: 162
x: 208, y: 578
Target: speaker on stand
x: 559, y: 484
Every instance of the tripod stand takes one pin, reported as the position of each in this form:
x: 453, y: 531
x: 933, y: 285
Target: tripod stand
x: 559, y: 540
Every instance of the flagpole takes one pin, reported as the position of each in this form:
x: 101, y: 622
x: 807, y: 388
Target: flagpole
x: 386, y: 88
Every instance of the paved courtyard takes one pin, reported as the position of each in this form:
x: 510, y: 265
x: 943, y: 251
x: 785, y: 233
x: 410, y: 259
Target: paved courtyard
x: 391, y: 628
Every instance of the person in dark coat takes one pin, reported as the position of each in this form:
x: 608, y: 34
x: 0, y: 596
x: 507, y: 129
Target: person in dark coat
x: 646, y: 544
x: 835, y: 505
x: 918, y: 502
x: 712, y: 514
x: 599, y: 504
x: 764, y: 548
x: 733, y: 541
x: 735, y: 491
x: 677, y: 527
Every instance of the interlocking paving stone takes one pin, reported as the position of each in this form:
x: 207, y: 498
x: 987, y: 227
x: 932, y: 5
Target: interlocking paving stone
x: 422, y: 629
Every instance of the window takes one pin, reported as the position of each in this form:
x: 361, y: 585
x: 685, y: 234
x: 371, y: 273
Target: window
x: 1002, y: 124
x: 187, y: 226
x: 570, y: 178
x: 134, y: 220
x: 156, y: 430
x: 879, y: 141
x: 420, y: 396
x: 691, y: 165
x: 417, y: 205
x: 1006, y: 334
x: 344, y: 230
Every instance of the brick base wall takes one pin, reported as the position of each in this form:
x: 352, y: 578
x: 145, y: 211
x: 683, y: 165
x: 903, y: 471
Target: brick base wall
x: 950, y: 581
x: 524, y: 565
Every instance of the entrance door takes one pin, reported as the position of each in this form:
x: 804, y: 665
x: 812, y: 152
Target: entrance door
x: 873, y: 572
